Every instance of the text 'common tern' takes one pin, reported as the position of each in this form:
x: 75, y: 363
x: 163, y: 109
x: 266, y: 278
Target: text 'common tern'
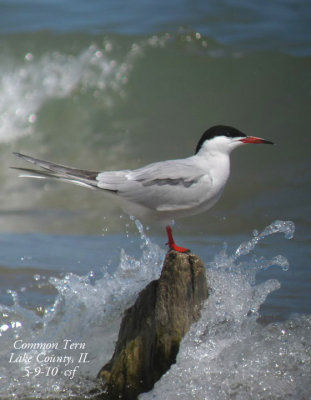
x: 163, y: 190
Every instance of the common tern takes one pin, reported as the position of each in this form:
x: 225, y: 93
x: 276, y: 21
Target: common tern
x: 163, y: 190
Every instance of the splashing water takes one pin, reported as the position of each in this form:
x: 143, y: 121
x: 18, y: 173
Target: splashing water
x: 226, y: 355
x: 286, y: 227
x: 83, y: 308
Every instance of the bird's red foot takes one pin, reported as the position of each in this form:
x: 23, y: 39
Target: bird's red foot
x: 171, y: 242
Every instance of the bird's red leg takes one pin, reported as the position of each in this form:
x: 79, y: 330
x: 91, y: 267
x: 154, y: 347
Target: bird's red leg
x: 171, y: 242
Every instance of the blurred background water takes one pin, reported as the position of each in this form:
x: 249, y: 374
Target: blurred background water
x: 111, y: 85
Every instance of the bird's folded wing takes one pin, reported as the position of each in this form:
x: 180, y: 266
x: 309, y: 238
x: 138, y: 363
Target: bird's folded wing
x: 167, y: 172
x: 163, y: 186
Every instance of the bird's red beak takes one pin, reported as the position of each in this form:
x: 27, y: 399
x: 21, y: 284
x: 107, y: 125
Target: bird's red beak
x: 256, y: 140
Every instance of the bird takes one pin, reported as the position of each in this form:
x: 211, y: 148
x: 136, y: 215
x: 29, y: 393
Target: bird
x: 163, y: 190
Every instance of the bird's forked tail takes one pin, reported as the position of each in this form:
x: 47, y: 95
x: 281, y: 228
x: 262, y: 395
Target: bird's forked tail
x: 57, y: 171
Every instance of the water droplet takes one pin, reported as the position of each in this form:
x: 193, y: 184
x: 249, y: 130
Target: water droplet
x: 4, y: 328
x: 28, y: 57
x: 32, y: 118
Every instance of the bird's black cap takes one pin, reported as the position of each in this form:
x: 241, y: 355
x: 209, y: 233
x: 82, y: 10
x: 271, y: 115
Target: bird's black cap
x: 218, y: 130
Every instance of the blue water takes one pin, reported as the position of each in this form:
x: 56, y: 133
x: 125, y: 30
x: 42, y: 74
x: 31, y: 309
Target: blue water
x: 283, y: 25
x: 112, y: 85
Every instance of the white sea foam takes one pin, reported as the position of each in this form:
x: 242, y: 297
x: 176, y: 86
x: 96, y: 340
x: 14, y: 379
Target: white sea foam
x: 25, y: 88
x: 27, y: 85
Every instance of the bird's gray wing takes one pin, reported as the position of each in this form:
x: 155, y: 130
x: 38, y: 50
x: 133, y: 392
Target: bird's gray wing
x: 162, y: 186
